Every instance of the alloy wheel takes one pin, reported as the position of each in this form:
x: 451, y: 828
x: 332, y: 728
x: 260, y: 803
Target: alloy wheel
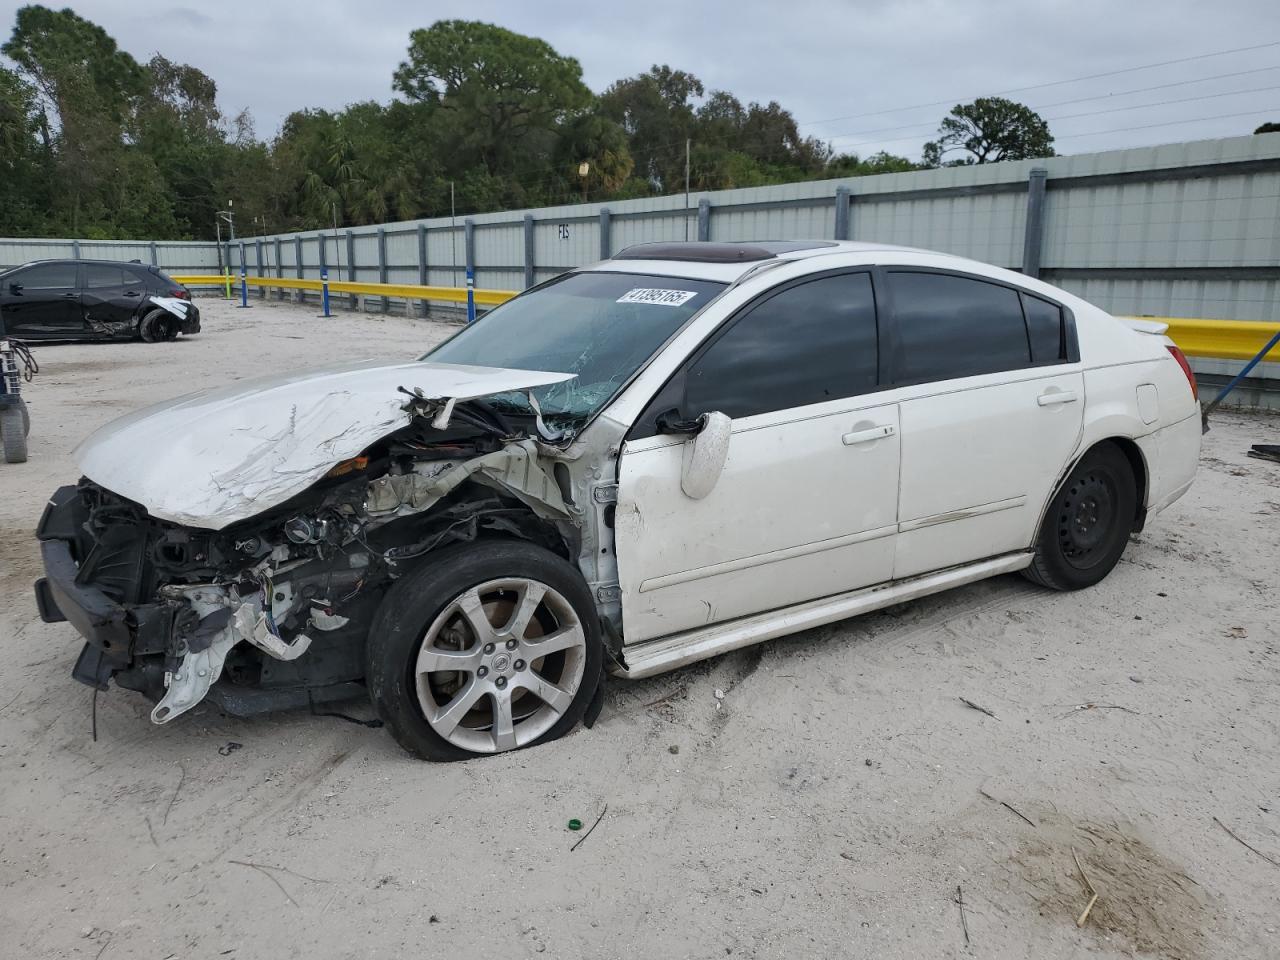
x: 500, y: 664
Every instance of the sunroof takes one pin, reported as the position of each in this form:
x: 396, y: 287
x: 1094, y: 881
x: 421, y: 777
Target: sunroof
x: 718, y: 252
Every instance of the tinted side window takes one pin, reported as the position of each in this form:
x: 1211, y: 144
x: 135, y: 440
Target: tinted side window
x: 142, y: 277
x: 808, y: 344
x: 48, y: 276
x: 100, y: 275
x: 1045, y: 330
x: 950, y: 326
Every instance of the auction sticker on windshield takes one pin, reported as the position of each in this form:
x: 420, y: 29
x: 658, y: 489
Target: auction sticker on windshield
x: 663, y: 298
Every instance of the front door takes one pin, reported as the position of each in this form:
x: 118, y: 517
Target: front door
x: 807, y: 503
x: 43, y: 302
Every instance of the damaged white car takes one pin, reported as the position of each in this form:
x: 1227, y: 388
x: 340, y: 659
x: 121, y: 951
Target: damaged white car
x: 656, y: 459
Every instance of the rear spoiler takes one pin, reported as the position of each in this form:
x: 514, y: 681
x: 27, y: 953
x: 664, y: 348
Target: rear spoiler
x: 1153, y: 327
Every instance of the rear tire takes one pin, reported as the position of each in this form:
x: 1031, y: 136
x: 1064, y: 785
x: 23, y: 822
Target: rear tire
x: 487, y: 647
x: 1087, y: 525
x: 14, y: 426
x: 158, y: 325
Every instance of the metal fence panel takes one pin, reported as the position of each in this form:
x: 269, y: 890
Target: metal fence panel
x: 1188, y: 229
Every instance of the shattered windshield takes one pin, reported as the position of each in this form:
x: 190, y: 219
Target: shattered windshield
x: 600, y: 326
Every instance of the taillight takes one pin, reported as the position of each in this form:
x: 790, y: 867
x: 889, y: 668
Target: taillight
x: 1186, y: 368
x: 182, y: 293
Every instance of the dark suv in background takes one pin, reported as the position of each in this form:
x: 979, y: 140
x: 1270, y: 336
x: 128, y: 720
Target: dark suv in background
x: 94, y: 300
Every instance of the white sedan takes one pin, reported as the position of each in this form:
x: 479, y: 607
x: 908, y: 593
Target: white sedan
x: 683, y: 450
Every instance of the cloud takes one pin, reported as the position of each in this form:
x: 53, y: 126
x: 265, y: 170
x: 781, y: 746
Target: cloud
x: 889, y: 69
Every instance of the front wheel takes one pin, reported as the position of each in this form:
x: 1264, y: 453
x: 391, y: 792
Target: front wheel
x: 1088, y: 523
x: 15, y: 424
x: 487, y: 647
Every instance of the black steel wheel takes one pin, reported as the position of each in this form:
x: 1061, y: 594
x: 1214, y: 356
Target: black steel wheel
x: 1088, y: 523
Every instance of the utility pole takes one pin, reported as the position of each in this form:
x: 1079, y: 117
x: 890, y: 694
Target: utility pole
x: 453, y: 232
x: 336, y: 245
x: 686, y: 188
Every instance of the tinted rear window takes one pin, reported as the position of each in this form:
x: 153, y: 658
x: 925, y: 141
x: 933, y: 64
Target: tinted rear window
x: 949, y: 326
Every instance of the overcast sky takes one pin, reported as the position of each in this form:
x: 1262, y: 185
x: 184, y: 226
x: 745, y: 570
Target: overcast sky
x: 864, y: 74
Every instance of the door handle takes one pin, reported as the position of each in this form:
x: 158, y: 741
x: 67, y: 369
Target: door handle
x: 1054, y: 399
x: 132, y: 293
x: 866, y: 436
x: 70, y: 296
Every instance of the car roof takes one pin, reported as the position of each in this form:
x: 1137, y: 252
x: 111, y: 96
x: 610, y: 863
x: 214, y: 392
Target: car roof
x: 114, y: 263
x: 730, y: 261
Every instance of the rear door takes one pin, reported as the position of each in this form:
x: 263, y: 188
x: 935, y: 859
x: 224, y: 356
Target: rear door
x: 43, y: 302
x: 110, y: 297
x: 992, y: 413
x: 806, y: 505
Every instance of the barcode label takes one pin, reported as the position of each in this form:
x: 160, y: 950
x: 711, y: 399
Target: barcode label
x: 662, y: 298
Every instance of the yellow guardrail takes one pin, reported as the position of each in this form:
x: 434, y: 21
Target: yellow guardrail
x: 1221, y: 339
x: 407, y: 291
x: 1217, y: 339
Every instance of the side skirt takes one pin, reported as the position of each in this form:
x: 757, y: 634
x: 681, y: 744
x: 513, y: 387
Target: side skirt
x: 667, y: 653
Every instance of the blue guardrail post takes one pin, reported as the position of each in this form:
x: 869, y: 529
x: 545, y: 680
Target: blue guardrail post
x: 471, y: 295
x: 244, y: 281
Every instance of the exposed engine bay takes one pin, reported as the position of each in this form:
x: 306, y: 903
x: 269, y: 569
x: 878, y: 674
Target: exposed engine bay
x: 273, y: 611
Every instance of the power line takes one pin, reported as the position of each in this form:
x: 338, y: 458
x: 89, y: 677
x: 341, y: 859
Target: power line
x: 1070, y: 116
x: 1158, y: 86
x: 1069, y: 136
x: 1051, y: 83
x: 722, y: 138
x: 1169, y: 123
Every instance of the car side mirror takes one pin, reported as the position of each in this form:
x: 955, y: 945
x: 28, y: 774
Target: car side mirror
x: 705, y: 453
x: 15, y: 288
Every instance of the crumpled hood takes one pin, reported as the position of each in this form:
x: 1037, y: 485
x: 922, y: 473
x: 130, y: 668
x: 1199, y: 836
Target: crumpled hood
x: 213, y: 458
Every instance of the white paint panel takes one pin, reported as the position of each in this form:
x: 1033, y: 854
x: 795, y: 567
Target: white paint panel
x: 796, y: 514
x: 979, y: 461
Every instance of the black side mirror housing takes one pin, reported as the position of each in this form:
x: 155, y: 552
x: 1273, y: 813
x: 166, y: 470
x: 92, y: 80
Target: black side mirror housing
x: 15, y: 288
x: 669, y: 421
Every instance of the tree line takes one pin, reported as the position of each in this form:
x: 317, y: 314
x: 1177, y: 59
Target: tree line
x: 95, y: 144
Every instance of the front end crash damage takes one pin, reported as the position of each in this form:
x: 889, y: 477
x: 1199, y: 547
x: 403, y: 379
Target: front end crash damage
x: 272, y: 610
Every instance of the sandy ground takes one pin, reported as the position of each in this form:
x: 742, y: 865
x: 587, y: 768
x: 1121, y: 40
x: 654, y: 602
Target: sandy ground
x: 830, y: 805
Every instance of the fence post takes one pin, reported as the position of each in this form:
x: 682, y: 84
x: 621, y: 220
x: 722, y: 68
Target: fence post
x: 154, y: 261
x: 300, y: 296
x: 606, y: 246
x: 279, y: 270
x: 244, y: 281
x: 75, y: 249
x: 842, y: 213
x: 351, y: 265
x: 324, y: 276
x: 257, y: 265
x: 1034, y: 236
x: 469, y: 247
x: 382, y: 265
x: 424, y: 273
x: 704, y: 219
x: 528, y: 250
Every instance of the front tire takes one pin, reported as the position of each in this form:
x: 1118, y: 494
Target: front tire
x: 1088, y: 523
x: 15, y: 424
x: 487, y: 647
